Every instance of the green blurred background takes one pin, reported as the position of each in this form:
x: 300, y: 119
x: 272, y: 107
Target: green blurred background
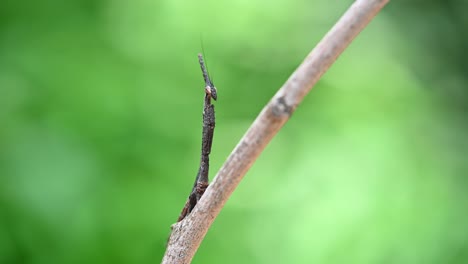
x: 100, y: 129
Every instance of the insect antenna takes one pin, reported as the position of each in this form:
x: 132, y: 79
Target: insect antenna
x: 206, y: 62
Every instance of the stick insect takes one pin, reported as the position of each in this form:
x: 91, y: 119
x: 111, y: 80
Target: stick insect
x: 201, y: 181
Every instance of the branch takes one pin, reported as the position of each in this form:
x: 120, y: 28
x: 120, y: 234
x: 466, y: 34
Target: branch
x: 187, y: 235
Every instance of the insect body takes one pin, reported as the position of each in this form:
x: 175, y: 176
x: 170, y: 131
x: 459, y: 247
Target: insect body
x: 201, y: 181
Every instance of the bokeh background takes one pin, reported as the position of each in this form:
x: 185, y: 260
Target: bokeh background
x: 100, y: 129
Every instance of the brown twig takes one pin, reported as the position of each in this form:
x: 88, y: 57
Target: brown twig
x: 187, y: 235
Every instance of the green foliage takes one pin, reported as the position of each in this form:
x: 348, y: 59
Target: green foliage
x: 100, y: 113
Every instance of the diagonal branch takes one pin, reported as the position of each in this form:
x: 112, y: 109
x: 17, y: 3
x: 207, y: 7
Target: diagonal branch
x: 187, y: 235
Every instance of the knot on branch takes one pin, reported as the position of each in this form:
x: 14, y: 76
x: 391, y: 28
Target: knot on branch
x: 281, y: 108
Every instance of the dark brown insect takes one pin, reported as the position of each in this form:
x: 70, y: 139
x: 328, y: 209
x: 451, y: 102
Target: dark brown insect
x: 201, y: 181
